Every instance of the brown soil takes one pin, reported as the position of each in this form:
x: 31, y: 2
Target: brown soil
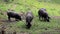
x: 56, y: 17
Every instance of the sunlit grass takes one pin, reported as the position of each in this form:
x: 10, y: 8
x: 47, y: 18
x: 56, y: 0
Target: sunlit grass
x: 53, y: 9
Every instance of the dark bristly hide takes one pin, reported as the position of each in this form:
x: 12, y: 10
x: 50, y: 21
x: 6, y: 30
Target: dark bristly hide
x: 12, y: 14
x: 29, y: 18
x: 43, y: 14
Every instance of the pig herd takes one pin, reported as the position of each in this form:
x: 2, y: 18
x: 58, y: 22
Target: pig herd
x: 43, y: 15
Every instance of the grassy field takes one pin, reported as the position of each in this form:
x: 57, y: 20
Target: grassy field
x: 38, y: 27
x: 53, y: 8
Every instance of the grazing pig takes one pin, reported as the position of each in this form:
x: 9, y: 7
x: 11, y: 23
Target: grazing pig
x: 29, y: 18
x: 12, y: 14
x: 43, y: 14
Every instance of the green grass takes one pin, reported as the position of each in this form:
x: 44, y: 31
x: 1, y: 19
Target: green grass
x: 38, y: 27
x: 33, y: 5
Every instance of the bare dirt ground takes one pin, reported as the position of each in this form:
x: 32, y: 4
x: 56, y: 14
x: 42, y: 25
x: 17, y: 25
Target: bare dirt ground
x: 56, y: 17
